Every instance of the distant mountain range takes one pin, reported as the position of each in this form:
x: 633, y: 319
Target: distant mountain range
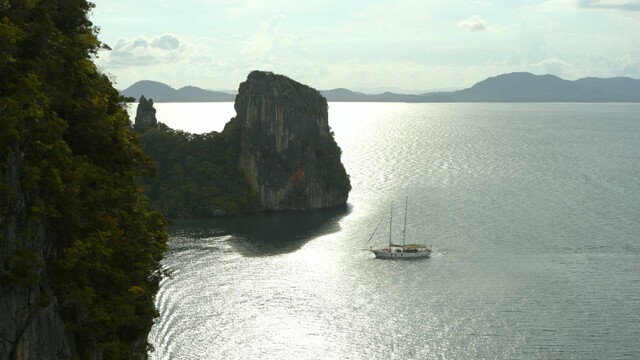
x: 513, y: 87
x: 160, y: 92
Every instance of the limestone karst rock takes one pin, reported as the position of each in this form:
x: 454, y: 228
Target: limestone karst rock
x: 30, y: 322
x: 288, y: 153
x: 146, y: 113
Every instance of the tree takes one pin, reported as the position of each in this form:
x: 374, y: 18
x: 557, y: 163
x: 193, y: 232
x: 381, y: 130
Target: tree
x: 80, y: 165
x: 197, y: 174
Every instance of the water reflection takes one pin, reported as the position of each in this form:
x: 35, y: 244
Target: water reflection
x: 265, y: 234
x: 534, y: 211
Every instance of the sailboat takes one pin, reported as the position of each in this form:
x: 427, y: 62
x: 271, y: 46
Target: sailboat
x: 399, y: 251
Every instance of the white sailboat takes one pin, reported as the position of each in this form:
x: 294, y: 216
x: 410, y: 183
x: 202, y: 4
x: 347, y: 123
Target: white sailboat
x: 400, y: 251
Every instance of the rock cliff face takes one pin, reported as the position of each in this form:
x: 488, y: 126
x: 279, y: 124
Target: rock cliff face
x: 288, y: 153
x: 146, y: 113
x: 30, y: 325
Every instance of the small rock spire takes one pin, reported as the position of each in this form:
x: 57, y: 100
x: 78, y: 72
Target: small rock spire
x: 145, y: 114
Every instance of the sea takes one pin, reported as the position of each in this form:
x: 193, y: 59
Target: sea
x: 532, y: 212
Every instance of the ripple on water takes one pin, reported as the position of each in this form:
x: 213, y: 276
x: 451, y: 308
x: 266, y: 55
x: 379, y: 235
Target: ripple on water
x: 531, y: 210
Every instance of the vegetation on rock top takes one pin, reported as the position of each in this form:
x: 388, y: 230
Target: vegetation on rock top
x: 197, y: 174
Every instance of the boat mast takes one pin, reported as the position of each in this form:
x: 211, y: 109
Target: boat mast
x: 390, y: 225
x: 374, y: 231
x: 404, y: 229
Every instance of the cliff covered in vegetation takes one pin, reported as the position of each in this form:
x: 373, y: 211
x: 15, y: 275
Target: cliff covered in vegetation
x: 277, y: 154
x: 196, y: 174
x: 80, y: 249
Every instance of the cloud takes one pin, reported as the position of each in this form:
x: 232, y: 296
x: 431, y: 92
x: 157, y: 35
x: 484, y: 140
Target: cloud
x: 474, y: 23
x: 630, y: 5
x: 272, y: 24
x: 220, y: 62
x: 141, y: 51
x: 268, y: 41
x: 553, y: 66
x: 166, y: 42
x: 609, y: 66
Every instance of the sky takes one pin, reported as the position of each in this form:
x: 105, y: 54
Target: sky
x: 409, y: 46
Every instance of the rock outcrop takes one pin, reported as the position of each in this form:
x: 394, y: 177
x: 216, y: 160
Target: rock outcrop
x: 288, y: 153
x: 146, y: 113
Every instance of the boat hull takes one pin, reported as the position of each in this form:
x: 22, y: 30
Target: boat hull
x: 388, y: 254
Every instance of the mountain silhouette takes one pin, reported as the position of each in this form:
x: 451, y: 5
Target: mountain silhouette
x: 512, y: 87
x: 527, y: 87
x: 160, y: 92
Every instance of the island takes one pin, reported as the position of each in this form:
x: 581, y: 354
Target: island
x: 277, y: 154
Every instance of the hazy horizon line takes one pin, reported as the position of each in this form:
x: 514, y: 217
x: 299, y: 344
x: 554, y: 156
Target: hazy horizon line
x: 381, y: 90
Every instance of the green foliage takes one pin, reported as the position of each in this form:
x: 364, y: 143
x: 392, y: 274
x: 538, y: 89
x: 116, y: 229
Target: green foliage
x: 80, y: 167
x: 328, y: 154
x: 197, y: 174
x: 22, y: 268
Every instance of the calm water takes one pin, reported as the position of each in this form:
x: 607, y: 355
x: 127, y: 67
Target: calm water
x: 532, y: 212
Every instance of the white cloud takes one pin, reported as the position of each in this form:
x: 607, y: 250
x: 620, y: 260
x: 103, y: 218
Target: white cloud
x: 141, y: 51
x: 632, y: 5
x: 272, y: 25
x: 552, y: 66
x: 166, y: 42
x: 609, y: 66
x: 268, y: 41
x: 474, y: 23
x: 180, y: 61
